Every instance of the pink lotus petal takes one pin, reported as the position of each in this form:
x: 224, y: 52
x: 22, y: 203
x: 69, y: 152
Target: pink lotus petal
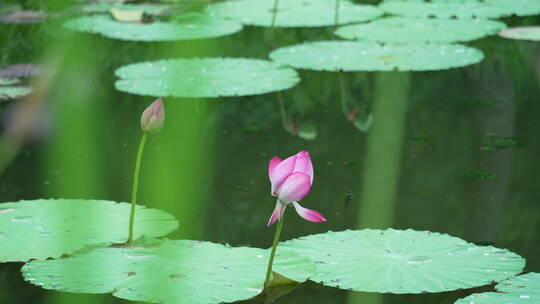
x: 272, y: 165
x: 153, y: 117
x: 294, y: 188
x: 308, y: 214
x: 278, y: 213
x: 304, y: 165
x: 281, y: 172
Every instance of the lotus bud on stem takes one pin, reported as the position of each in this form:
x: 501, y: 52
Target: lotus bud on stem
x: 152, y: 120
x: 291, y: 181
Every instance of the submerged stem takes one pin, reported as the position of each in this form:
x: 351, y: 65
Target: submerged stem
x: 274, y: 14
x: 136, y: 186
x: 283, y: 111
x: 342, y: 93
x: 336, y: 13
x: 273, y: 253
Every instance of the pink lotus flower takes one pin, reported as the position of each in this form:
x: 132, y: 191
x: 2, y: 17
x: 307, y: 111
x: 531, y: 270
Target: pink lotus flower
x: 291, y: 180
x: 153, y: 117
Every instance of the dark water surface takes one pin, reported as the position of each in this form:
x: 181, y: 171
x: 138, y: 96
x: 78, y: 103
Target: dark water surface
x: 432, y: 159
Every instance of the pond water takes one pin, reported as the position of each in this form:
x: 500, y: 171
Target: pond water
x: 452, y: 151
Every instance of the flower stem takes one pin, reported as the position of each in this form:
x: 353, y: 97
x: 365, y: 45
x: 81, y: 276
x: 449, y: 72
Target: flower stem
x: 136, y: 186
x: 283, y: 111
x: 336, y: 13
x: 274, y: 14
x: 342, y: 93
x: 273, y: 253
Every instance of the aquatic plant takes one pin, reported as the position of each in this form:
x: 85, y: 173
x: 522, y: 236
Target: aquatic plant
x: 291, y: 181
x: 152, y: 120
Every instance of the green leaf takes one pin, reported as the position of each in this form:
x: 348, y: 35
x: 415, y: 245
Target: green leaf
x: 186, y: 27
x: 41, y: 229
x: 293, y: 13
x: 465, y: 9
x: 517, y: 290
x: 8, y: 93
x: 8, y: 81
x: 175, y: 272
x: 531, y: 33
x: 403, y: 261
x: 105, y: 7
x: 352, y: 56
x: 205, y: 77
x: 401, y: 30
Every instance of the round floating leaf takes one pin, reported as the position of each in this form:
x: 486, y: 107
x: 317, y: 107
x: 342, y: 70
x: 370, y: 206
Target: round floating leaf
x: 461, y: 8
x: 8, y: 93
x: 174, y: 272
x: 20, y: 70
x: 398, y: 261
x: 8, y: 81
x: 40, y: 229
x: 205, y: 77
x: 23, y: 17
x: 186, y: 27
x: 531, y: 33
x: 294, y: 13
x: 523, y: 289
x: 105, y: 7
x: 367, y: 56
x: 416, y: 31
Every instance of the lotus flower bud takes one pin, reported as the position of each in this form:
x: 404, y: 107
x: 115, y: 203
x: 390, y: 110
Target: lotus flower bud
x: 291, y: 181
x: 153, y: 117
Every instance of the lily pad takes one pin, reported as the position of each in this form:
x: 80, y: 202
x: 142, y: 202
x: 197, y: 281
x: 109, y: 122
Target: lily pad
x: 8, y: 81
x: 20, y: 70
x: 23, y: 17
x: 461, y: 8
x: 12, y: 92
x: 185, y: 27
x: 351, y: 56
x: 41, y: 229
x: 403, y: 261
x: 531, y: 33
x: 416, y: 31
x: 517, y: 290
x: 105, y: 7
x: 293, y: 13
x: 205, y: 77
x: 189, y: 272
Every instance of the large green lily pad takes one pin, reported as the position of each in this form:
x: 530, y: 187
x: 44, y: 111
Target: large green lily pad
x: 416, y: 31
x: 174, y: 272
x: 205, y: 77
x: 8, y: 81
x: 185, y: 27
x: 41, y: 229
x: 367, y: 56
x: 523, y: 289
x: 461, y: 8
x: 105, y: 7
x: 13, y: 92
x: 403, y: 261
x: 293, y: 13
x: 531, y: 33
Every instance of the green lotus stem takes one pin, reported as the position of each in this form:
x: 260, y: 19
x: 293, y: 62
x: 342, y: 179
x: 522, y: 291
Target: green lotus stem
x: 273, y: 253
x: 342, y: 93
x: 283, y: 111
x: 136, y: 186
x: 336, y: 13
x: 274, y: 14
